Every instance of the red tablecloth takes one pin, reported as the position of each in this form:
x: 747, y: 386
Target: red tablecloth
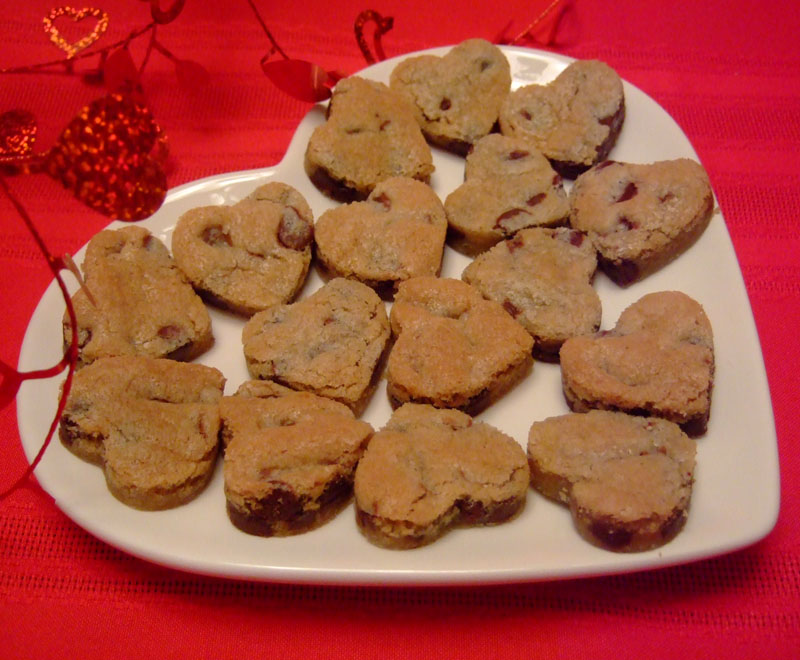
x: 727, y: 71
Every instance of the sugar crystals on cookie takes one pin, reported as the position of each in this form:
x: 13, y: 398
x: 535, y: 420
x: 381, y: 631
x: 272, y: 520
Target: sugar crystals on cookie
x: 141, y: 303
x: 456, y: 97
x: 396, y: 234
x: 250, y: 255
x: 429, y: 469
x: 574, y: 120
x: 641, y: 216
x: 370, y: 134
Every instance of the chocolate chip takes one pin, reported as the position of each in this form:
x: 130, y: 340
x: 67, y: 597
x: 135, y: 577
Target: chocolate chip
x: 149, y: 243
x: 498, y: 224
x: 484, y: 64
x: 216, y: 236
x: 526, y: 114
x: 515, y: 243
x: 445, y: 104
x: 511, y: 308
x: 536, y: 199
x: 604, y: 164
x: 576, y: 238
x: 610, y: 536
x: 170, y: 332
x: 294, y: 232
x: 517, y: 154
x: 629, y: 193
x: 383, y: 199
x: 626, y: 223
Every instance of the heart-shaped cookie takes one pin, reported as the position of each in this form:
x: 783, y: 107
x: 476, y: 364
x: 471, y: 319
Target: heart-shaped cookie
x: 136, y: 301
x: 574, y: 120
x: 398, y: 233
x: 454, y: 349
x: 330, y: 343
x: 627, y: 480
x: 251, y: 255
x: 641, y: 216
x: 430, y: 469
x: 290, y: 458
x: 370, y: 135
x: 457, y: 97
x: 508, y: 185
x: 658, y: 360
x: 543, y: 278
x: 152, y: 424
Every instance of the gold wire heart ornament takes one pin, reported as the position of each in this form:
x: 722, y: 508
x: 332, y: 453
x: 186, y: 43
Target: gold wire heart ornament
x: 77, y: 15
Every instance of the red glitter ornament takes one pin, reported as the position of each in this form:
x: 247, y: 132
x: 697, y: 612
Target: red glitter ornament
x: 17, y: 136
x: 110, y: 157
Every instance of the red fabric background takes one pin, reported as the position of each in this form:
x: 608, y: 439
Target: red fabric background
x: 727, y: 70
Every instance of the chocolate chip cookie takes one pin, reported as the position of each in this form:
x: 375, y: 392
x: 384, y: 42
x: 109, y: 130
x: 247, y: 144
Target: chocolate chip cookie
x: 627, y: 480
x: 152, y: 424
x: 428, y: 470
x: 574, y: 120
x: 456, y: 97
x: 508, y: 185
x: 330, y: 343
x: 290, y: 458
x: 250, y: 255
x: 370, y: 135
x: 139, y: 303
x: 641, y: 216
x: 658, y: 361
x: 453, y: 348
x: 396, y: 234
x: 543, y: 278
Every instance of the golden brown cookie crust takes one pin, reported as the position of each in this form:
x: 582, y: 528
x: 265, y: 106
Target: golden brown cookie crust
x: 141, y: 303
x: 370, y: 135
x: 456, y: 97
x: 429, y: 469
x: 247, y: 256
x: 543, y: 278
x: 453, y: 348
x: 152, y: 424
x: 658, y: 360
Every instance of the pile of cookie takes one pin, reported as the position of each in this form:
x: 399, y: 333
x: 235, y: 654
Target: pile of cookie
x: 293, y: 447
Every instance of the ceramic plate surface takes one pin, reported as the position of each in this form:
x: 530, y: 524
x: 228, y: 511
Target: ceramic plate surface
x: 736, y: 496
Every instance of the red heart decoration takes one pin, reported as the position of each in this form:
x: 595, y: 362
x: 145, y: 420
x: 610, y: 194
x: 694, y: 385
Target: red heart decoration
x: 17, y: 135
x: 110, y: 156
x: 302, y: 80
